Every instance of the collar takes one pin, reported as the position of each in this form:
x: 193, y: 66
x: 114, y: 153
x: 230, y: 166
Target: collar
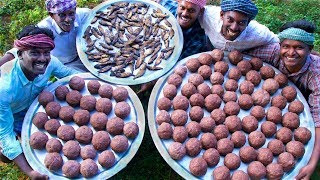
x: 59, y: 30
x: 23, y: 79
x: 302, y: 70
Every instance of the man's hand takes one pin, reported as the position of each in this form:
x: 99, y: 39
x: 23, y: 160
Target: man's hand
x: 305, y: 172
x: 35, y: 175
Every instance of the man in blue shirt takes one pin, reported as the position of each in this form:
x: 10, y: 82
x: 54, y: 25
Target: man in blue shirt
x: 21, y: 85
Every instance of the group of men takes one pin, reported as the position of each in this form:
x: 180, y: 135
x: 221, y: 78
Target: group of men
x: 50, y: 49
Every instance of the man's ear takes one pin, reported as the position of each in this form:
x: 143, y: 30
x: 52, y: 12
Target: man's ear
x: 221, y: 14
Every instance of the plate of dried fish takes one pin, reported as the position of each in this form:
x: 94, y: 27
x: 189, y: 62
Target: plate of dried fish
x: 129, y: 42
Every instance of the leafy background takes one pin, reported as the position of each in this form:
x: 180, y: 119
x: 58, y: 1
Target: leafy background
x: 147, y: 163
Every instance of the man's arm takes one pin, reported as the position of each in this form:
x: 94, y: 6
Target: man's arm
x: 26, y: 168
x: 7, y: 57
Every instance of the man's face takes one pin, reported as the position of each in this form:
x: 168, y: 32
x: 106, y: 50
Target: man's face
x: 187, y: 13
x: 294, y: 54
x: 65, y: 20
x: 35, y: 61
x: 233, y: 24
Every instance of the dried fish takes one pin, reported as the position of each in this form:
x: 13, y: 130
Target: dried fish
x: 105, y: 69
x: 141, y: 71
x: 154, y: 68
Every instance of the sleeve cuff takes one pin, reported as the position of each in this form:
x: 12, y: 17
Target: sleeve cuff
x: 11, y: 147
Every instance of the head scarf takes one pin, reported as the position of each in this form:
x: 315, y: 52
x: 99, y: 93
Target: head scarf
x: 200, y: 3
x: 59, y: 6
x: 34, y: 41
x: 298, y: 35
x: 244, y: 6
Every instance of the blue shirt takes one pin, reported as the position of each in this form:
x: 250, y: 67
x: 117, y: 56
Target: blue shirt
x: 17, y: 94
x: 194, y: 38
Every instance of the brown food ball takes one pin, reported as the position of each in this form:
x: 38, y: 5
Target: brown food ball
x: 268, y: 128
x: 244, y: 67
x: 221, y: 131
x: 193, y: 147
x: 193, y: 64
x: 88, y: 152
x: 193, y: 129
x: 267, y: 72
x: 181, y: 70
x: 296, y: 148
x: 115, y: 126
x: 230, y: 96
x: 256, y: 63
x: 119, y: 143
x: 104, y: 105
x: 286, y: 160
x: 131, y: 130
x: 177, y: 150
x: 66, y: 113
x: 265, y: 156
x: 256, y: 139
x: 98, y: 120
x: 217, y: 55
x: 279, y: 101
x: 164, y: 103
x: 52, y: 126
x: 247, y: 154
x: 195, y: 79
x: 88, y: 102
x: 221, y: 67
x: 270, y: 85
x: 204, y: 89
x: 106, y: 159
x: 254, y: 77
x: 84, y: 135
x: 71, y: 169
x: 93, y: 86
x: 281, y: 79
x: 175, y: 79
x: 274, y: 114
x: 217, y: 89
x: 276, y: 146
x: 53, y: 161
x: 196, y: 113
x: 198, y: 166
x: 45, y: 97
x: 258, y: 112
x: 122, y: 109
x: 245, y: 101
x: 211, y: 156
x: 218, y: 115
x: 256, y: 170
x: 165, y: 131
x: 208, y: 140
x: 221, y: 173
x: 289, y: 92
x: 88, y: 168
x: 205, y: 71
x: 188, y: 89
x: 52, y: 109
x: 212, y: 101
x: 105, y: 91
x: 296, y: 106
x: 40, y: 119
x: 66, y: 132
x: 225, y: 146
x: 274, y: 171
x: 234, y: 73
x: 120, y: 94
x: 302, y: 134
x: 235, y: 57
x: 73, y: 98
x: 76, y: 83
x: 231, y: 108
x: 180, y: 134
x: 290, y: 120
x: 81, y: 117
x: 207, y: 124
x: 71, y: 149
x: 61, y: 92
x: 239, y: 174
x: 216, y: 78
x: 238, y: 138
x: 169, y: 91
x: 246, y: 87
x: 53, y: 145
x: 231, y: 85
x: 101, y: 140
x: 249, y: 124
x: 180, y: 102
x: 196, y: 100
x: 261, y: 97
x: 163, y: 116
x: 232, y: 161
x: 233, y: 123
x: 179, y: 117
x: 205, y: 59
x: 284, y: 134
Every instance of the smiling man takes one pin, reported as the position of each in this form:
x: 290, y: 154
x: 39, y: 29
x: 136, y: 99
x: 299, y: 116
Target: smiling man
x: 27, y: 78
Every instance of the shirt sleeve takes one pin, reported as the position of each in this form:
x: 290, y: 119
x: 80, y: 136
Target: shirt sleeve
x: 268, y: 53
x: 314, y: 97
x: 59, y: 70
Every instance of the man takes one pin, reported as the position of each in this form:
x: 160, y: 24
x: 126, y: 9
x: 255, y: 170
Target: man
x: 231, y: 26
x: 18, y: 88
x: 65, y: 21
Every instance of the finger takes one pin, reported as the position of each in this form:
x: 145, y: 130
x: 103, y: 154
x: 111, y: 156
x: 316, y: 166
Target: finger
x: 301, y: 175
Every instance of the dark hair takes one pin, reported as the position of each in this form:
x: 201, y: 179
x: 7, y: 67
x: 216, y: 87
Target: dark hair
x: 32, y: 30
x: 301, y: 24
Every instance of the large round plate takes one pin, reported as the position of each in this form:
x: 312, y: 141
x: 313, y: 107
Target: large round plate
x: 182, y: 166
x: 149, y: 75
x: 36, y: 157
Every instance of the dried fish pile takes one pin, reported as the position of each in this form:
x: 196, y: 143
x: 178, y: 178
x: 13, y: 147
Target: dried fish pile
x: 128, y: 39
